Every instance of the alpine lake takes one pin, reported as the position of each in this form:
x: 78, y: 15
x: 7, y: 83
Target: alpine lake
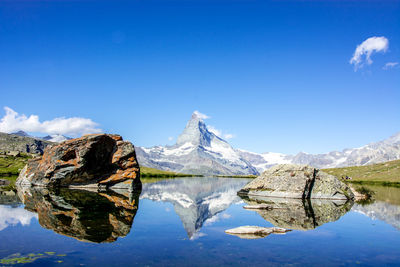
x: 182, y: 222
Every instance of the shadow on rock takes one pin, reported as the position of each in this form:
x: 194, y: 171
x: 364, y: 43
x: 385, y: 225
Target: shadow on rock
x: 298, y: 214
x: 84, y: 215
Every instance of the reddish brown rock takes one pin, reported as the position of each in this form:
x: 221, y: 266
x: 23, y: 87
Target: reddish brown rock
x: 96, y: 160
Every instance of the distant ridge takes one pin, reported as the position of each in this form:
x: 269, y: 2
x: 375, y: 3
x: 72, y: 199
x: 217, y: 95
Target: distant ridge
x: 56, y: 138
x: 382, y: 151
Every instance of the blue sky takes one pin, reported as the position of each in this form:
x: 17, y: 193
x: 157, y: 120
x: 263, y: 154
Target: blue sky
x: 274, y: 74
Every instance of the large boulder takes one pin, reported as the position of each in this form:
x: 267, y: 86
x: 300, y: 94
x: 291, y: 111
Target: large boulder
x: 92, y: 161
x: 297, y: 181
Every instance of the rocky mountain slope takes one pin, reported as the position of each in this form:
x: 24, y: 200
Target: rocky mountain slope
x: 196, y: 151
x: 13, y: 142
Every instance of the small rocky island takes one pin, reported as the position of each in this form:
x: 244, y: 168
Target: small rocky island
x: 96, y: 161
x: 297, y: 181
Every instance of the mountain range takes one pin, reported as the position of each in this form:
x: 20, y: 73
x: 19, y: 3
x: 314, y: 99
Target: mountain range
x: 56, y: 138
x: 200, y: 151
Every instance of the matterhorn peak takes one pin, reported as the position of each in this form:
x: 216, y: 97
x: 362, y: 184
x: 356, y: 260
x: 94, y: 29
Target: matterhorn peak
x: 196, y: 131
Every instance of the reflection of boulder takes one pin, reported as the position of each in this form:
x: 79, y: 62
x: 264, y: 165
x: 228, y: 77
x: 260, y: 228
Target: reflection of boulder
x: 299, y: 214
x: 84, y: 215
x: 195, y: 200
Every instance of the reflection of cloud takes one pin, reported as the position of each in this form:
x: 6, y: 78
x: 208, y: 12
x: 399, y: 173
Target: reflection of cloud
x: 13, y: 216
x: 197, y: 235
x: 217, y: 218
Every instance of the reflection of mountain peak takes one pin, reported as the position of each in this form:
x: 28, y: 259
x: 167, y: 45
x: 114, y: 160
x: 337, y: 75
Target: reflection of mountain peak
x: 195, y: 200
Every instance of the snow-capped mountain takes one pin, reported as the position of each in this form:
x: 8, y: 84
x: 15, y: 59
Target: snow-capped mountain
x: 200, y: 151
x: 57, y: 138
x: 197, y: 151
x: 386, y: 150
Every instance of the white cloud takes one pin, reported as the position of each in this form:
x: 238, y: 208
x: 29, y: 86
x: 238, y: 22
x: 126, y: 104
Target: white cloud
x: 75, y: 126
x: 229, y: 136
x: 363, y: 52
x: 170, y: 138
x: 390, y: 65
x: 200, y: 115
x: 219, y: 132
x: 214, y: 130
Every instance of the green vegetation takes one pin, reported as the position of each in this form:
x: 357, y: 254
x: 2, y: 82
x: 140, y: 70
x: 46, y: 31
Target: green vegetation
x: 146, y: 172
x: 386, y: 174
x: 17, y: 258
x: 10, y: 165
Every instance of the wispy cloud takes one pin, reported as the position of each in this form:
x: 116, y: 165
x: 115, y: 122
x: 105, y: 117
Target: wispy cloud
x: 363, y: 52
x: 229, y: 136
x: 201, y: 115
x: 214, y: 130
x: 75, y: 126
x: 170, y: 138
x: 390, y: 65
x: 219, y: 132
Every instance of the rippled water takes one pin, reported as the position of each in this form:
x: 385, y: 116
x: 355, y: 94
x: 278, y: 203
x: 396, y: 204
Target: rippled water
x: 182, y: 222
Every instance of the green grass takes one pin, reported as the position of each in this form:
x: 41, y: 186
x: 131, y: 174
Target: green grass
x: 12, y: 165
x: 146, y: 172
x: 387, y: 173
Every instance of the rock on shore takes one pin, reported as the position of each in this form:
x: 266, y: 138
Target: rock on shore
x: 255, y: 232
x: 297, y: 181
x: 92, y: 161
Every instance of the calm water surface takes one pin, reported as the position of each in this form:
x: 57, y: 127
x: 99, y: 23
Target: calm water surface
x: 182, y: 222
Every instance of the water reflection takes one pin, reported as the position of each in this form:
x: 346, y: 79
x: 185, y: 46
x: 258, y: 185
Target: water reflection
x: 83, y: 215
x: 298, y: 214
x: 195, y: 200
x: 386, y: 205
x: 13, y: 215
